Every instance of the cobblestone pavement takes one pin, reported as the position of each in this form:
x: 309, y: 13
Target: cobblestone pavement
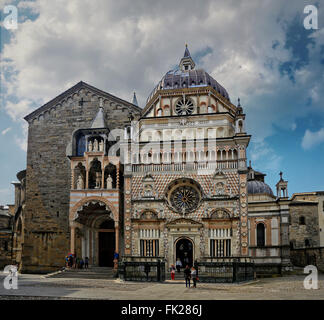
x: 37, y: 287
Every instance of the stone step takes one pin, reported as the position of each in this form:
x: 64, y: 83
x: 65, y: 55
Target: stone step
x: 91, y: 273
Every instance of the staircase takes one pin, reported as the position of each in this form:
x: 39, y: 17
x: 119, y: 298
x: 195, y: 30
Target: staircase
x: 177, y: 276
x: 91, y: 273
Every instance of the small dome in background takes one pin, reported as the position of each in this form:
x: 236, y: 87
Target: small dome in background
x: 258, y: 187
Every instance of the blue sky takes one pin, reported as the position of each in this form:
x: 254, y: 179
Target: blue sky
x: 258, y: 50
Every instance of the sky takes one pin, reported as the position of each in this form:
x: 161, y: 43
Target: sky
x: 259, y: 50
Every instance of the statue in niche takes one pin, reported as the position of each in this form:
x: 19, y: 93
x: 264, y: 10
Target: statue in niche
x: 90, y: 146
x: 98, y: 180
x: 95, y: 145
x: 80, y: 182
x: 101, y: 145
x: 109, y: 182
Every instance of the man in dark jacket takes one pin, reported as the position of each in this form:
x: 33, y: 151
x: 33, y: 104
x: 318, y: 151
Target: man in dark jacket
x: 187, y: 274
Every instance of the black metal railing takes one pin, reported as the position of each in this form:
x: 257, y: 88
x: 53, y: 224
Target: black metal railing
x: 150, y: 269
x: 226, y: 271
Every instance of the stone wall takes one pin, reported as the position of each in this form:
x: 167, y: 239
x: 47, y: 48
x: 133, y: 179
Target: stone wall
x: 298, y: 233
x: 51, y: 127
x: 308, y: 256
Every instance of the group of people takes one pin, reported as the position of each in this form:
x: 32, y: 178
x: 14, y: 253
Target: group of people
x: 189, y: 273
x: 72, y: 261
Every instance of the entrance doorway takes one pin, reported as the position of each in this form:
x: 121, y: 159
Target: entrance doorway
x: 184, y: 251
x: 106, y: 244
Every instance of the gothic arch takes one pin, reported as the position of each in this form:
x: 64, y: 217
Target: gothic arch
x: 82, y: 202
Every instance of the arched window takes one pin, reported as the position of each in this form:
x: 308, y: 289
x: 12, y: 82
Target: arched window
x: 302, y: 220
x: 110, y: 178
x: 159, y: 113
x: 95, y: 174
x: 80, y: 144
x: 260, y: 235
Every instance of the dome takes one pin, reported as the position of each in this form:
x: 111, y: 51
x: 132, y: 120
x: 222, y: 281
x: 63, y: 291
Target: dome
x: 182, y: 77
x: 259, y: 187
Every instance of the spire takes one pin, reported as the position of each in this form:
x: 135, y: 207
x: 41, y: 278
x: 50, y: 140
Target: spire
x: 99, y: 120
x: 186, y: 63
x: 135, y: 100
x: 186, y: 53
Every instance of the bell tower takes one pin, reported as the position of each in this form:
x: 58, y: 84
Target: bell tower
x: 282, y: 187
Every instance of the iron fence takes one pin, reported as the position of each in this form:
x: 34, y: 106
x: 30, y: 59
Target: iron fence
x: 229, y: 271
x: 147, y: 269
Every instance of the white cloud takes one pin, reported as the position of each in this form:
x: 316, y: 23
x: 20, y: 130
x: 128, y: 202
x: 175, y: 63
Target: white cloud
x: 120, y: 46
x: 5, y: 131
x: 311, y: 139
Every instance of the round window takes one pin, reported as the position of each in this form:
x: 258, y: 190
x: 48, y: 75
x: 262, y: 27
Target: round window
x: 184, y: 107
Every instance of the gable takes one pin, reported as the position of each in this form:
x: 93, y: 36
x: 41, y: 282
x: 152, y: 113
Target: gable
x: 75, y: 94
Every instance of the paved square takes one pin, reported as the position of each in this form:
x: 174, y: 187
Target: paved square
x: 38, y: 287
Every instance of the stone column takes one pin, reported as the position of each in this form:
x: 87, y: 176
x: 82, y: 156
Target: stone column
x: 116, y: 243
x: 116, y: 236
x: 90, y: 246
x: 117, y: 176
x: 97, y: 246
x: 102, y: 176
x: 87, y: 179
x: 72, y: 239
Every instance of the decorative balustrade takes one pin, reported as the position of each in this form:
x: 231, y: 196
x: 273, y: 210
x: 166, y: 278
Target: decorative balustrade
x: 190, y: 166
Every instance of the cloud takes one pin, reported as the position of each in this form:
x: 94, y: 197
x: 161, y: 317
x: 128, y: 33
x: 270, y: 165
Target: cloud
x: 312, y: 139
x: 263, y: 156
x: 120, y: 47
x: 5, y: 131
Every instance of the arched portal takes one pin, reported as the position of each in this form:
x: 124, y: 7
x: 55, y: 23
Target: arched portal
x: 184, y: 251
x: 94, y: 232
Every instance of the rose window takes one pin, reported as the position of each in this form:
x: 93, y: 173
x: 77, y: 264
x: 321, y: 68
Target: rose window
x: 184, y: 196
x: 184, y: 107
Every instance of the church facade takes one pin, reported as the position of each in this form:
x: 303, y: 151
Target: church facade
x: 170, y: 180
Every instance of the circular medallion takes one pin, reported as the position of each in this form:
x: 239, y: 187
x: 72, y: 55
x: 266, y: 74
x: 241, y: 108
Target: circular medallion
x: 184, y: 107
x: 184, y: 198
x: 243, y: 184
x: 243, y: 204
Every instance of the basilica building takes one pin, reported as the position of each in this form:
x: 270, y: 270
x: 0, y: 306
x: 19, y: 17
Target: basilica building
x: 170, y: 180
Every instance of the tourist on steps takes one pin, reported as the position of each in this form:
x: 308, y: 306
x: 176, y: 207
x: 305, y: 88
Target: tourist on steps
x: 178, y: 265
x: 86, y: 263
x: 187, y: 274
x: 172, y: 271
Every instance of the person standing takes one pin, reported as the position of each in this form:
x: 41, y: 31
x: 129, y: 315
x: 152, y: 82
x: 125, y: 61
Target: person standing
x: 86, y: 263
x: 187, y: 274
x: 178, y: 265
x: 194, y: 276
x: 172, y: 271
